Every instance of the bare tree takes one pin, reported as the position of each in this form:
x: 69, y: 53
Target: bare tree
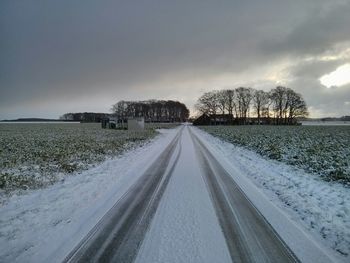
x: 207, y: 103
x: 297, y: 107
x: 229, y: 96
x: 120, y: 109
x: 260, y: 102
x: 285, y: 103
x: 244, y: 98
x: 152, y: 110
x: 221, y: 101
x: 279, y: 98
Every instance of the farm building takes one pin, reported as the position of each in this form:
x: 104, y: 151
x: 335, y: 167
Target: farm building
x: 219, y: 119
x: 133, y: 124
x: 227, y: 119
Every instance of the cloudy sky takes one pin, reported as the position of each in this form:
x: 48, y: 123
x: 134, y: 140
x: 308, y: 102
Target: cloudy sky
x: 68, y: 56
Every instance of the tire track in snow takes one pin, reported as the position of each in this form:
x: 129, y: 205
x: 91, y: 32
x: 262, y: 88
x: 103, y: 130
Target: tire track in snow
x: 249, y: 237
x: 119, y: 234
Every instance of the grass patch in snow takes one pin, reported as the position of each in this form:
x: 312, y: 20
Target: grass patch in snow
x: 37, y: 154
x: 324, y: 150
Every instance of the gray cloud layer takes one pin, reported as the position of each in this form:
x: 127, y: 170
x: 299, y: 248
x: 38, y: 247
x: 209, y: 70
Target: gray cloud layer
x: 58, y: 56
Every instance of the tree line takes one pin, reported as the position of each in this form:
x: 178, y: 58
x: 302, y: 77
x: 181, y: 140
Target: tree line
x: 280, y: 105
x: 84, y: 116
x: 152, y: 110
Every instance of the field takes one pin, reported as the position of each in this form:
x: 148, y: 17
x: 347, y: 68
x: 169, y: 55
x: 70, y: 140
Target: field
x: 38, y: 154
x: 323, y: 150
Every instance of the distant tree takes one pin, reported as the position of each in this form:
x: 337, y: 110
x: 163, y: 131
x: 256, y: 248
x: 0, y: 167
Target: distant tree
x: 260, y: 102
x: 220, y: 96
x: 345, y: 118
x: 230, y: 101
x: 208, y: 103
x: 84, y: 116
x: 67, y: 117
x: 244, y: 98
x: 279, y: 97
x: 266, y: 110
x: 121, y: 108
x: 285, y: 104
x: 152, y: 110
x: 296, y: 107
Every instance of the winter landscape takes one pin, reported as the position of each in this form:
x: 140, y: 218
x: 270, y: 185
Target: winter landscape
x: 46, y: 209
x: 175, y: 131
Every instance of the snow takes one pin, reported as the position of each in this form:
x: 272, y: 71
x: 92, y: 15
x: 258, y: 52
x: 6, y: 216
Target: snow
x: 36, y: 155
x: 318, y: 209
x: 312, y: 216
x: 44, y: 225
x: 316, y: 149
x: 185, y: 227
x: 325, y: 123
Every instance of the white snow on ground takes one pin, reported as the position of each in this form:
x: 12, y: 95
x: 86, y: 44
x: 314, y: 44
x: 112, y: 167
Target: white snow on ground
x: 321, y: 208
x: 44, y: 225
x: 325, y: 123
x: 185, y: 227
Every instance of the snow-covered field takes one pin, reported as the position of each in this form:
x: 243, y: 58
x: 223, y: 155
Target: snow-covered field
x: 325, y: 123
x: 321, y: 208
x: 47, y: 222
x: 323, y: 150
x: 34, y: 155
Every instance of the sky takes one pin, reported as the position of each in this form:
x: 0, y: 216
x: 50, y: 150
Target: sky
x: 73, y: 56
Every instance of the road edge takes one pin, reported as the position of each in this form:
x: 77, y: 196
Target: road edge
x: 303, y: 245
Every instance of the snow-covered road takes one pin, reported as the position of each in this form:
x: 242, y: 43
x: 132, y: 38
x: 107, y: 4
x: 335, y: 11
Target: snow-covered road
x: 203, y: 217
x: 175, y: 200
x: 118, y: 235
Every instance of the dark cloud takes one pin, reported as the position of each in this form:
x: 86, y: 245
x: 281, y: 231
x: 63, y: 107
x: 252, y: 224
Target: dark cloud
x: 323, y: 101
x: 314, y: 69
x: 319, y: 31
x: 85, y: 55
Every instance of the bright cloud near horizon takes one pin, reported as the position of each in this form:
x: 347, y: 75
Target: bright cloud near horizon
x: 339, y: 77
x: 73, y: 56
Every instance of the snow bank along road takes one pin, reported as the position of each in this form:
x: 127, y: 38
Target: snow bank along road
x: 186, y: 207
